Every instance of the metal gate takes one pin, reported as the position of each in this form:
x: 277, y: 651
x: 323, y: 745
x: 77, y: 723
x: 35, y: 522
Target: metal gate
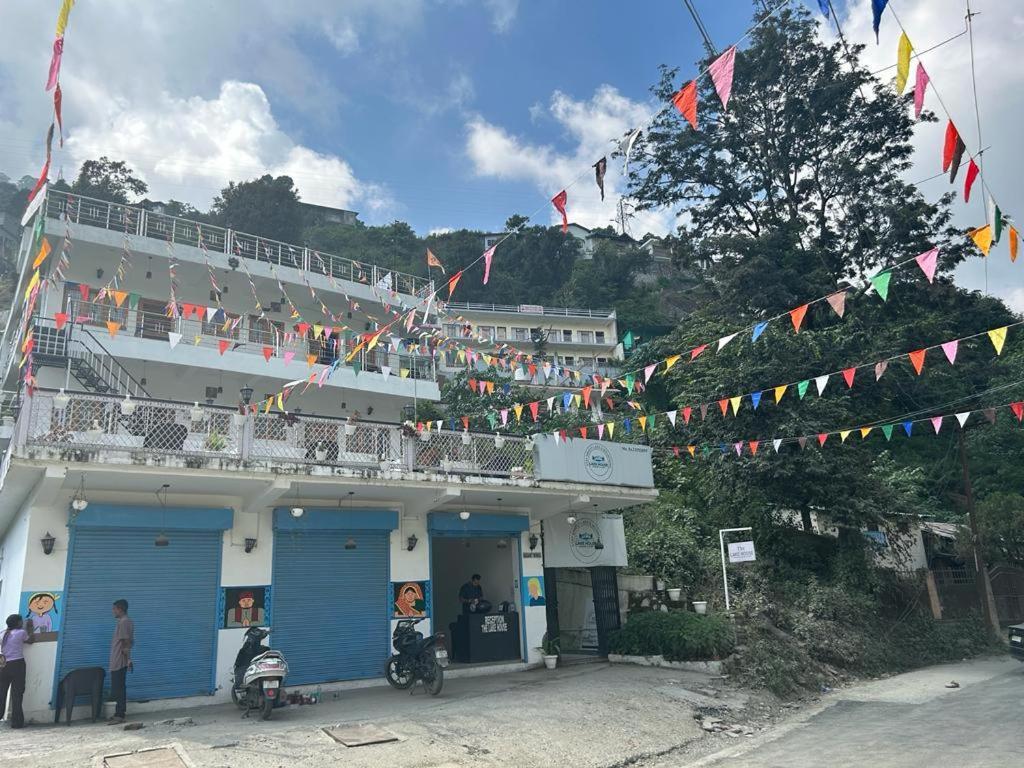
x: 604, y: 580
x: 551, y: 601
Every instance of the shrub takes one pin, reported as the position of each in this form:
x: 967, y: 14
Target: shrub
x: 677, y: 635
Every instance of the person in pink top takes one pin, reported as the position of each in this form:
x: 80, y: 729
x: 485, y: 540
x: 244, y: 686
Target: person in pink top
x: 12, y: 675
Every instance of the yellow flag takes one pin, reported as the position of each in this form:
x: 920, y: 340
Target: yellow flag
x: 403, y: 373
x: 843, y: 434
x: 280, y: 401
x: 611, y: 429
x: 310, y: 359
x: 903, y: 62
x: 577, y: 400
x: 865, y: 431
x: 998, y: 337
x: 982, y: 237
x: 779, y: 392
x: 266, y: 405
x: 44, y: 251
x: 354, y: 352
x: 373, y: 340
x: 692, y: 449
x: 735, y: 403
x: 518, y: 408
x: 671, y: 361
x: 62, y: 16
x: 318, y: 329
x: 643, y: 423
x: 32, y: 284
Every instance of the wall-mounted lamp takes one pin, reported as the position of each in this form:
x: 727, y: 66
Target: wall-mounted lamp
x: 502, y: 544
x: 47, y: 541
x: 246, y: 394
x: 61, y: 400
x: 350, y: 544
x: 161, y: 540
x: 463, y: 515
x: 161, y: 496
x: 534, y: 541
x: 571, y: 519
x: 250, y: 545
x: 297, y: 512
x: 99, y: 274
x: 411, y: 542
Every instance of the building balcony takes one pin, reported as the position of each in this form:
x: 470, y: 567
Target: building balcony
x: 164, y: 230
x: 529, y: 309
x: 120, y: 444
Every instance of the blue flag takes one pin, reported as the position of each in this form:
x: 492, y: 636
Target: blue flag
x: 566, y: 400
x: 823, y: 4
x: 758, y: 330
x: 907, y: 426
x: 628, y: 425
x: 877, y: 6
x: 755, y: 398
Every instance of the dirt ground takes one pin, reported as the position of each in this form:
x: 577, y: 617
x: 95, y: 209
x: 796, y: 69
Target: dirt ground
x: 587, y: 715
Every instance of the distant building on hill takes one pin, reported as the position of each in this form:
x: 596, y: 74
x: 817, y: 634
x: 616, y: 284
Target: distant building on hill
x: 317, y: 215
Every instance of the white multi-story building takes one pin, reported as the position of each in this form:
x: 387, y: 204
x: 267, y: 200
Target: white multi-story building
x: 136, y: 466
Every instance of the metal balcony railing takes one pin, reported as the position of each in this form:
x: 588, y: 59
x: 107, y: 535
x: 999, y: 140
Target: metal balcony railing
x: 89, y: 427
x: 138, y: 221
x: 529, y: 309
x: 251, y: 335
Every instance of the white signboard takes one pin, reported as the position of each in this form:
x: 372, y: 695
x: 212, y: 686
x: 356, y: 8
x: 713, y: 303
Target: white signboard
x: 590, y: 540
x: 741, y: 552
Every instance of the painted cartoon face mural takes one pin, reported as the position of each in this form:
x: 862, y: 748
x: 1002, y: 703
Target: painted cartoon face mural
x: 41, y: 608
x: 245, y: 606
x: 534, y: 591
x: 410, y: 599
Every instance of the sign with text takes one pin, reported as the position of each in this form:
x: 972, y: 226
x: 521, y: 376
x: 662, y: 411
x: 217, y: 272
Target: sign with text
x: 741, y: 552
x: 592, y: 461
x: 589, y: 540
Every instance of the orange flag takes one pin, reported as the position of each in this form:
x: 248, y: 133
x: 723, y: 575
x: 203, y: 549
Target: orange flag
x: 1014, y: 243
x: 44, y: 251
x: 686, y: 102
x: 797, y: 316
x: 453, y: 281
x: 433, y: 261
x: 113, y: 327
x: 917, y: 360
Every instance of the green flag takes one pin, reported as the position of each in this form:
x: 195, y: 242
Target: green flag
x: 630, y: 382
x: 881, y: 283
x: 492, y: 419
x: 650, y: 420
x: 133, y: 301
x: 997, y: 224
x: 627, y: 340
x: 887, y: 431
x: 801, y: 388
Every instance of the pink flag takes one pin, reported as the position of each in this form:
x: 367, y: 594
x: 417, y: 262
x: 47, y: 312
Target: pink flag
x: 937, y: 424
x: 488, y: 255
x: 648, y: 371
x: 58, y: 52
x: 927, y: 261
x: 919, y: 87
x: 721, y: 70
x: 288, y: 357
x: 838, y: 302
x: 950, y: 349
x: 559, y: 202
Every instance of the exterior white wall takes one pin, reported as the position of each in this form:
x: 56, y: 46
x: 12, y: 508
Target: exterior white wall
x: 26, y: 568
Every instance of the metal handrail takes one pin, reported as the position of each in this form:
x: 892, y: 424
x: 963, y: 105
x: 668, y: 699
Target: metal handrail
x: 528, y: 309
x: 138, y: 221
x: 116, y: 373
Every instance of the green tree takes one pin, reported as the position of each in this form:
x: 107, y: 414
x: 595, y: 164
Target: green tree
x: 107, y: 179
x: 266, y: 206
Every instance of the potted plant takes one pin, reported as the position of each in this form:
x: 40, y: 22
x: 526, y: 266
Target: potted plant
x: 550, y: 649
x: 674, y: 594
x: 216, y: 441
x: 233, y: 262
x: 320, y: 451
x: 700, y: 606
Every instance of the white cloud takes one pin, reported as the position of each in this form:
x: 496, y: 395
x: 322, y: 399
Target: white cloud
x: 441, y: 231
x: 593, y: 129
x: 343, y: 36
x: 998, y: 36
x: 188, y: 149
x: 503, y: 13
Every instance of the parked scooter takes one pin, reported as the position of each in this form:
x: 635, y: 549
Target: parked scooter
x: 258, y: 681
x: 419, y: 658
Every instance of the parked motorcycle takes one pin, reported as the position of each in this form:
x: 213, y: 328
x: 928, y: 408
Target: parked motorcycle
x: 258, y: 681
x: 418, y: 658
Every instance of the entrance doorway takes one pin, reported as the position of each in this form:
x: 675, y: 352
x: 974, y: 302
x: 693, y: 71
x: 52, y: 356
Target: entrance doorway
x: 495, y: 636
x: 587, y: 607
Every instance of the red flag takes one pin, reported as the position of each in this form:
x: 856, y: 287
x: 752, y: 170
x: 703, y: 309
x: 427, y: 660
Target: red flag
x: 583, y: 432
x: 753, y: 446
x: 949, y: 146
x: 1018, y: 410
x: 534, y: 408
x: 60, y: 319
x: 686, y: 414
x: 223, y: 345
x: 465, y: 422
x: 268, y: 352
x: 686, y: 102
x: 83, y: 291
x: 724, y: 405
x: 43, y: 176
x: 695, y: 353
x: 848, y: 374
x: 559, y: 202
x: 822, y: 438
x: 972, y: 174
x: 585, y: 392
x: 453, y: 281
x: 302, y: 328
x: 917, y: 359
x: 675, y: 450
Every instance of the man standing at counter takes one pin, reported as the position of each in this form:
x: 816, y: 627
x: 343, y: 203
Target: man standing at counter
x: 471, y: 595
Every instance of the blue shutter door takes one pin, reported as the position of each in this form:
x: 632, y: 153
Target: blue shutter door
x: 331, y: 604
x: 172, y: 598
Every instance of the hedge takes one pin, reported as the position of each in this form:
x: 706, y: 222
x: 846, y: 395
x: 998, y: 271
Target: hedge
x: 677, y: 635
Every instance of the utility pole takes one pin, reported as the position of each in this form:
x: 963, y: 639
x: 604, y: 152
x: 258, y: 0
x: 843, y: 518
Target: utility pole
x: 979, y: 563
x: 699, y: 23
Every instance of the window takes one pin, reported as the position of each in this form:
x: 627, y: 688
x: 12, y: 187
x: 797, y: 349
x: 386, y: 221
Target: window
x: 263, y: 330
x: 487, y: 331
x: 586, y: 362
x: 502, y: 333
x: 586, y: 337
x: 520, y: 334
x: 566, y: 335
x: 568, y: 360
x: 599, y: 337
x: 452, y: 330
x: 602, y: 361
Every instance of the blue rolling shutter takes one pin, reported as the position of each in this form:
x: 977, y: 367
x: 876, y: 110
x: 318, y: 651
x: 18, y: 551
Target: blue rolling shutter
x: 172, y: 597
x: 331, y: 604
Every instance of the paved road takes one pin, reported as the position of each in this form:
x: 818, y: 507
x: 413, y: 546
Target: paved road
x: 909, y: 720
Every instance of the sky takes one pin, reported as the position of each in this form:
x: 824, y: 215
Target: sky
x: 447, y: 114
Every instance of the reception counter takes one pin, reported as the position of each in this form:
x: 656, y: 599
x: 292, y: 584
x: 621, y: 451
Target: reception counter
x: 480, y: 637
